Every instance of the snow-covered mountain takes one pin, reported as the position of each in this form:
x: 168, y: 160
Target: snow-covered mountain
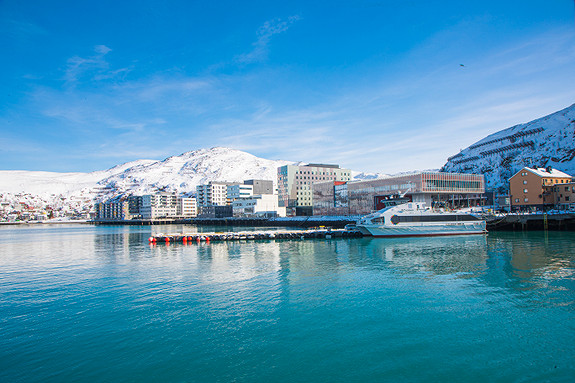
x: 184, y: 172
x: 180, y: 174
x: 547, y: 141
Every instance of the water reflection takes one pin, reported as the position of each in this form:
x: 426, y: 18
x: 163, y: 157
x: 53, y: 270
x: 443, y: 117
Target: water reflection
x: 339, y: 306
x: 521, y: 262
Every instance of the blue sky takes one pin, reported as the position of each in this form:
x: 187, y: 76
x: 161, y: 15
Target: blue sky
x: 380, y: 86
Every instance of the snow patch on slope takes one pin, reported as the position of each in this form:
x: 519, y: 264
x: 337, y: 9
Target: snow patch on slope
x: 547, y: 141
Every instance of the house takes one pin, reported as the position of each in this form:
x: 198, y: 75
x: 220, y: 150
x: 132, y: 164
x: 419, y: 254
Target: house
x: 534, y: 188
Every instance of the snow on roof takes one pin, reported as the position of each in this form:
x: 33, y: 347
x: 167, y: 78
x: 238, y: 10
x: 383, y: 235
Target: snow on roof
x: 547, y: 172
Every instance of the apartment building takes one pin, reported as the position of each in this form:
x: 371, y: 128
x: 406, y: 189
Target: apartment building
x: 213, y: 194
x: 239, y: 191
x: 186, y: 207
x: 565, y: 195
x: 295, y: 184
x: 535, y: 188
x: 160, y: 205
x: 117, y: 208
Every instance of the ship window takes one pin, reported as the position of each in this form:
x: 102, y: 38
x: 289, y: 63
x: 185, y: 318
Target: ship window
x: 379, y: 220
x: 437, y: 218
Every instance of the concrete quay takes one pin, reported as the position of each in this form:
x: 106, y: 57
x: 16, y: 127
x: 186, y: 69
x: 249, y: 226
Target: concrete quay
x: 540, y: 221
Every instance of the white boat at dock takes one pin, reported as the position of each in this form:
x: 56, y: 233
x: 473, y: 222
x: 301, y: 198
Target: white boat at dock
x: 414, y: 219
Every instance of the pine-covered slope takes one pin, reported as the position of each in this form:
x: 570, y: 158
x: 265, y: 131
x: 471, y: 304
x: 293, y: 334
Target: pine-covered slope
x: 547, y: 141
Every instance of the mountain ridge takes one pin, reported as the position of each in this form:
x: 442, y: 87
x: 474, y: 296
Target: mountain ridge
x: 180, y: 173
x: 546, y: 141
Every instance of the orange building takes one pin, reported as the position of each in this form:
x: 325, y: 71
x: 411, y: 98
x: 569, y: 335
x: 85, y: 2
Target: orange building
x: 535, y: 187
x: 565, y: 195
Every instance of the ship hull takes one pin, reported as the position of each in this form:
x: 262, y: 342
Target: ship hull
x: 424, y: 230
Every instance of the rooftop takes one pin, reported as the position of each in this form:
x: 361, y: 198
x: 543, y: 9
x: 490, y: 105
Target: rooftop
x: 547, y: 172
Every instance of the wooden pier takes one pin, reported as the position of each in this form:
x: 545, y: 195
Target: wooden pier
x: 254, y: 235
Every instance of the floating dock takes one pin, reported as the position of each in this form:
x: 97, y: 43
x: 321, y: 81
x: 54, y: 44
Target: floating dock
x: 254, y: 235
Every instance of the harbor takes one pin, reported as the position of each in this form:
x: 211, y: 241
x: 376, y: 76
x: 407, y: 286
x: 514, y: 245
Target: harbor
x: 504, y: 222
x: 241, y: 304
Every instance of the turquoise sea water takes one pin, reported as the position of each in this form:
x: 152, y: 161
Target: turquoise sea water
x: 80, y: 303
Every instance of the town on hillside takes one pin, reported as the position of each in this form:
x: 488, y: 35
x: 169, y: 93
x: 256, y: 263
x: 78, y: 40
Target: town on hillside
x: 326, y: 190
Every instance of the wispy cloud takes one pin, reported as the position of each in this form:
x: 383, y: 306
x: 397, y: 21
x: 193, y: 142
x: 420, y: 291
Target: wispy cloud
x: 94, y: 67
x: 264, y: 36
x: 404, y: 119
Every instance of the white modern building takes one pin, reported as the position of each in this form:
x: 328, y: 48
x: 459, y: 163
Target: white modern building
x: 187, y: 207
x: 265, y: 205
x: 159, y: 205
x: 213, y: 194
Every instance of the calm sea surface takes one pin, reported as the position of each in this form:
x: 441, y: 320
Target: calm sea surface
x: 80, y: 303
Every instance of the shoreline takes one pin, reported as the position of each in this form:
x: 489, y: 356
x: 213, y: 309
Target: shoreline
x: 33, y: 223
x: 510, y: 222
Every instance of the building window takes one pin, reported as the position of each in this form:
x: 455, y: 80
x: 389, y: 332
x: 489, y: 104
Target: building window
x: 516, y: 199
x: 525, y: 199
x: 524, y: 190
x: 525, y: 182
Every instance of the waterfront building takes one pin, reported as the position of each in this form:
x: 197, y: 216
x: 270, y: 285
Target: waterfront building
x: 565, y: 196
x: 260, y: 187
x: 263, y: 205
x: 363, y: 197
x: 239, y: 191
x: 159, y: 205
x: 250, y: 188
x: 534, y: 188
x: 186, y: 207
x: 213, y: 194
x: 216, y: 211
x: 117, y: 208
x: 295, y: 184
x: 135, y: 206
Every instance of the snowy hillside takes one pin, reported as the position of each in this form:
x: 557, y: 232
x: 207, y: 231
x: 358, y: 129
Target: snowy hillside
x: 184, y: 172
x: 547, y: 141
x: 77, y: 192
x: 48, y: 183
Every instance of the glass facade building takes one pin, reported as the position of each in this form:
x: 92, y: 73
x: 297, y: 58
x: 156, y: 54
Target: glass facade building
x: 362, y: 197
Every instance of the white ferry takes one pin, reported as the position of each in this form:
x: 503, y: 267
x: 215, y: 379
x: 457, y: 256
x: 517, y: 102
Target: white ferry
x: 414, y: 219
